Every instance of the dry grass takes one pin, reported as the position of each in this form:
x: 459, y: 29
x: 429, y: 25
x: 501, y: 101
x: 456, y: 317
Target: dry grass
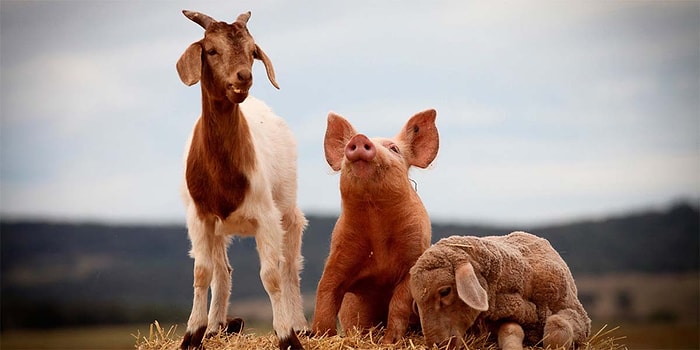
x: 159, y: 338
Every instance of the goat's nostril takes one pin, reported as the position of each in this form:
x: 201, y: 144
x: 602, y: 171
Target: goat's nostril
x: 244, y: 74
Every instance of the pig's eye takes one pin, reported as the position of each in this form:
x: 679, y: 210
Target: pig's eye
x: 395, y: 149
x: 445, y: 291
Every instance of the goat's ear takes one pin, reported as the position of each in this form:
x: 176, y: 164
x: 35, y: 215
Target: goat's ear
x: 338, y: 133
x: 189, y: 66
x: 260, y: 54
x: 469, y: 289
x: 421, y: 134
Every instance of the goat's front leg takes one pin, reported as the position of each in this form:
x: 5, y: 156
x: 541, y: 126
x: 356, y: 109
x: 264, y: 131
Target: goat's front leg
x: 220, y: 284
x: 399, y: 312
x: 200, y: 233
x: 269, y: 240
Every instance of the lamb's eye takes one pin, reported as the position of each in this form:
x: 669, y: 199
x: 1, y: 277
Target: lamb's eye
x: 445, y: 291
x: 394, y: 148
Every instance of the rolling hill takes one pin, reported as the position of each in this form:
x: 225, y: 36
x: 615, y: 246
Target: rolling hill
x: 56, y: 274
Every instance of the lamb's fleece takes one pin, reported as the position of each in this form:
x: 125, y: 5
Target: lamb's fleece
x: 525, y: 279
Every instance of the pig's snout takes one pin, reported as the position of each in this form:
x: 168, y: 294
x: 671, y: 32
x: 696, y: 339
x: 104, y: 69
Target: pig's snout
x: 360, y: 148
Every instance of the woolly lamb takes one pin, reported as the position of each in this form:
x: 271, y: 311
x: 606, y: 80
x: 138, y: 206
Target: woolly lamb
x: 516, y: 286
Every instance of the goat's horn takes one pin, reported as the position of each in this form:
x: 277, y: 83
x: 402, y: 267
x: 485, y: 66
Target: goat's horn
x: 243, y: 17
x: 199, y: 18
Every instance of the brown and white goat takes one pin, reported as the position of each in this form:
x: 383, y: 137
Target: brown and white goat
x: 240, y: 178
x: 382, y: 230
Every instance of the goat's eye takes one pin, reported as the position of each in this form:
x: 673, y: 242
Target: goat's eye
x: 212, y: 52
x: 395, y: 149
x: 445, y: 291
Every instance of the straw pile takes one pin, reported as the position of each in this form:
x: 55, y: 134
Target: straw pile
x: 159, y: 338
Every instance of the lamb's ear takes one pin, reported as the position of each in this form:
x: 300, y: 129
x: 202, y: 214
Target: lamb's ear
x: 469, y: 289
x: 338, y: 133
x: 189, y: 66
x: 421, y: 134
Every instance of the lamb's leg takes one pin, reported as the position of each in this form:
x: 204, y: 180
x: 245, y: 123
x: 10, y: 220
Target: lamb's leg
x: 220, y: 285
x: 510, y: 336
x: 293, y: 224
x: 200, y: 233
x: 399, y: 312
x: 565, y: 328
x: 269, y: 244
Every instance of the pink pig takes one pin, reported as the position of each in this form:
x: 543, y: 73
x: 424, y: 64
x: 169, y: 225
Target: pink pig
x: 382, y: 230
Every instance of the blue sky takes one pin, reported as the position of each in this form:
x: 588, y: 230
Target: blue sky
x: 547, y: 110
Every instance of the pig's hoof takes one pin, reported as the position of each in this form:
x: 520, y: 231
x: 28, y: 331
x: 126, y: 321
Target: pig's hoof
x: 388, y: 340
x: 451, y: 343
x: 193, y: 340
x: 317, y: 333
x: 291, y: 342
x: 305, y: 333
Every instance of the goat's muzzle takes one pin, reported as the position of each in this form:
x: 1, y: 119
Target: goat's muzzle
x: 237, y: 91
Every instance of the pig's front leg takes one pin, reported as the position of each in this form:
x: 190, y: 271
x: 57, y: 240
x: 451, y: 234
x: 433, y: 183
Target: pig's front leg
x: 399, y: 312
x: 329, y: 294
x: 328, y: 299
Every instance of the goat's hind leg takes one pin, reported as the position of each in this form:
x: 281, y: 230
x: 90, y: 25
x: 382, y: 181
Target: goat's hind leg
x: 221, y: 290
x: 293, y: 224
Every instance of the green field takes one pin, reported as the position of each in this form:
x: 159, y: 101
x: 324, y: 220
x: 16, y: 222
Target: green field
x: 637, y: 336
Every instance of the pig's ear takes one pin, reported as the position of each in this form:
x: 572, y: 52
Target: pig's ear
x: 338, y: 133
x: 469, y: 289
x: 421, y: 135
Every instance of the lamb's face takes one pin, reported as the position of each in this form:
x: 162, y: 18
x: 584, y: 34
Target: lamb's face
x: 443, y: 314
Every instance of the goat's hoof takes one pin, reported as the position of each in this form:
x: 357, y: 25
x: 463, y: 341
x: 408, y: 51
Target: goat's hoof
x: 234, y: 325
x: 193, y: 341
x: 291, y: 343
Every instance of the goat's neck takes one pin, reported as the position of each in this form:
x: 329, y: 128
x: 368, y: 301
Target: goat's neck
x: 227, y: 135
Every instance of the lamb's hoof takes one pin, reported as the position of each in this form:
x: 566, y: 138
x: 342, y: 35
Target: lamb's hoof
x: 290, y: 343
x: 193, y: 341
x: 558, y: 332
